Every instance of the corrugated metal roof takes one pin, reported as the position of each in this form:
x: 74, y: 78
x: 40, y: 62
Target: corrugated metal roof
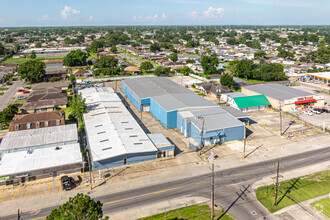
x: 38, y: 159
x: 277, y: 91
x: 251, y: 101
x: 159, y: 139
x: 169, y: 95
x: 235, y: 112
x: 39, y: 137
x: 111, y: 130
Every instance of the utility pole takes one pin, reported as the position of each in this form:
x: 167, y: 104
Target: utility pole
x: 280, y: 119
x: 18, y: 215
x: 90, y: 170
x: 201, y: 143
x: 212, y: 192
x: 244, y: 146
x: 278, y: 172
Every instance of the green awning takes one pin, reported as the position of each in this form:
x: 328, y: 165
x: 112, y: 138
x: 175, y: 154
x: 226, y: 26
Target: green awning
x: 251, y: 101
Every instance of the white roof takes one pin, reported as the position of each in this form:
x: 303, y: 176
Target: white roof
x: 111, y: 130
x: 39, y: 137
x: 325, y: 75
x: 37, y: 159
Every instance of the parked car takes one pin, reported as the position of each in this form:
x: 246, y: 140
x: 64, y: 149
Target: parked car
x: 20, y: 90
x: 20, y: 97
x: 18, y: 105
x: 26, y: 92
x: 67, y: 183
x: 317, y: 91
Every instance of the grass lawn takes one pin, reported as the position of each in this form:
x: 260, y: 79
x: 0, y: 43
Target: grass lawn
x: 1, y: 93
x: 199, y: 93
x: 4, y: 88
x: 299, y: 189
x: 91, y: 54
x: 20, y: 101
x: 22, y: 60
x: 323, y: 206
x: 255, y: 81
x: 194, y: 212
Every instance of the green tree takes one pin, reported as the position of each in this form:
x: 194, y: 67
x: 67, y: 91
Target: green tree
x: 186, y: 70
x: 79, y: 207
x: 162, y: 71
x: 227, y: 80
x: 244, y: 68
x: 78, y: 107
x: 146, y: 65
x: 113, y: 49
x: 313, y: 38
x: 232, y: 41
x: 173, y: 57
x: 241, y: 40
x: 75, y: 58
x: 260, y: 54
x: 38, y: 45
x: 7, y: 115
x: 32, y: 71
x: 190, y: 61
x: 154, y: 47
x: 33, y: 55
x: 210, y: 64
x: 3, y: 50
x: 106, y: 62
x: 72, y: 78
x: 17, y: 48
x: 284, y: 53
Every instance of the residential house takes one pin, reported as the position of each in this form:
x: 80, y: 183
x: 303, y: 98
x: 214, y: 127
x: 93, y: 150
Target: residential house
x: 132, y: 70
x: 38, y: 120
x: 55, y: 68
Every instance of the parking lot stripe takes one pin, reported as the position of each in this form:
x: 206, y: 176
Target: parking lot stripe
x: 15, y: 193
x: 49, y: 186
x: 27, y: 188
x: 59, y: 188
x: 3, y: 195
x: 38, y: 188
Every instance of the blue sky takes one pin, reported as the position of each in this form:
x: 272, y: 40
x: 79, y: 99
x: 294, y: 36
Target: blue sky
x: 163, y: 12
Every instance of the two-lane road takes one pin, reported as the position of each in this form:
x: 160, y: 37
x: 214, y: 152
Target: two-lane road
x: 229, y: 184
x: 10, y: 93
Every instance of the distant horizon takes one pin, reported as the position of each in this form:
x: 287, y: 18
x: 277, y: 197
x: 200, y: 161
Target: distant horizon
x: 172, y: 25
x: 72, y: 13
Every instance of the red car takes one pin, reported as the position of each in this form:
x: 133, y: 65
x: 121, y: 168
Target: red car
x: 21, y: 90
x: 25, y: 92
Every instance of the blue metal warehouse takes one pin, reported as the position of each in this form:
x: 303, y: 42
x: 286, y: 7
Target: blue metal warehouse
x: 178, y: 107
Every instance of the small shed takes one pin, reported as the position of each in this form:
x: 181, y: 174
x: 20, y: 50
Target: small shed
x: 251, y: 103
x: 165, y: 148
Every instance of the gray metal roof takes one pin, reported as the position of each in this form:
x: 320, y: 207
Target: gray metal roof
x: 235, y: 112
x: 35, y: 138
x: 169, y: 95
x: 38, y: 159
x: 277, y: 91
x: 215, y: 119
x: 235, y: 94
x: 159, y: 140
x: 110, y: 128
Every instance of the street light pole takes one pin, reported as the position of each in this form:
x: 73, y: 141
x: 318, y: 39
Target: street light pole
x: 212, y: 192
x: 280, y: 119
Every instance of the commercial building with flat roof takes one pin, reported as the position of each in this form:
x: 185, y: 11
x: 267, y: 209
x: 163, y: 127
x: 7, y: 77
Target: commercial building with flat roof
x: 251, y: 103
x: 113, y: 136
x: 288, y: 98
x: 30, y: 154
x: 178, y: 107
x: 322, y: 77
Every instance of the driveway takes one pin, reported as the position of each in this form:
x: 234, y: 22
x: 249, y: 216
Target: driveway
x: 10, y: 93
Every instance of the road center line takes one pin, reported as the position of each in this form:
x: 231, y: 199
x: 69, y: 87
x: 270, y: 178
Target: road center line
x: 237, y: 174
x: 302, y: 159
x: 134, y: 197
x: 201, y: 182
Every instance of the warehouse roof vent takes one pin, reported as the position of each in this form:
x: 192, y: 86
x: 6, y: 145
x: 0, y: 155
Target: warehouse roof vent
x: 108, y: 148
x: 105, y: 140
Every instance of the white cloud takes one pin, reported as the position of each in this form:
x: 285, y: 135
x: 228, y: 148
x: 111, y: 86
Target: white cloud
x: 44, y: 17
x: 150, y: 18
x: 91, y: 18
x: 67, y: 12
x: 210, y: 13
x: 164, y: 16
x: 213, y: 12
